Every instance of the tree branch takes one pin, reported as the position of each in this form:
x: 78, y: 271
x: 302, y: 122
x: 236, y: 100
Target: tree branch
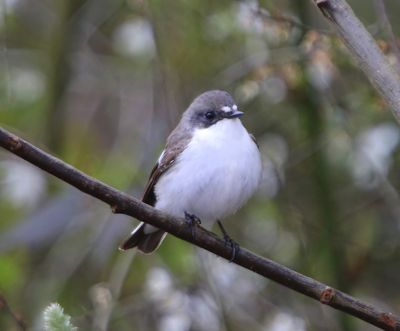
x: 16, y: 318
x: 364, y: 50
x: 292, y: 22
x: 125, y: 204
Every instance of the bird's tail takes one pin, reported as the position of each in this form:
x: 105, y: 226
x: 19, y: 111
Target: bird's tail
x: 146, y: 241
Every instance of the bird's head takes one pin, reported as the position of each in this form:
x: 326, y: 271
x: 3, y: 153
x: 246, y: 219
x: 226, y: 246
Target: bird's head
x: 210, y: 108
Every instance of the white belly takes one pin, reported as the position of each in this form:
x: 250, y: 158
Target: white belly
x: 214, y: 176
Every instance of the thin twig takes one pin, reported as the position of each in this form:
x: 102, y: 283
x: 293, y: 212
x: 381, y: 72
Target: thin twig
x: 125, y: 204
x: 364, y: 50
x: 265, y: 14
x: 16, y: 318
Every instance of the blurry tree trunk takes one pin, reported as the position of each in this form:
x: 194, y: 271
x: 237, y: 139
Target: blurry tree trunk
x: 325, y: 248
x: 59, y: 74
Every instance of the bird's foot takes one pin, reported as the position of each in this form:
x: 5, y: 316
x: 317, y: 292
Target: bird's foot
x: 229, y: 242
x: 192, y: 221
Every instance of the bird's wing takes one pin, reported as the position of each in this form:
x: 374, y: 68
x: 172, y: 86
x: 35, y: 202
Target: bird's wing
x: 164, y: 163
x: 148, y: 242
x: 166, y: 160
x: 254, y: 140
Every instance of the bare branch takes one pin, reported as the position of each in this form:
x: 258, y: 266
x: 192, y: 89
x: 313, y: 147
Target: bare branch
x: 16, y: 318
x: 125, y: 204
x: 292, y: 22
x: 364, y: 50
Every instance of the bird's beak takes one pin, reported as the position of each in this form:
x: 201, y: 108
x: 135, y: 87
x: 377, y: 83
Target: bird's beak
x: 234, y: 114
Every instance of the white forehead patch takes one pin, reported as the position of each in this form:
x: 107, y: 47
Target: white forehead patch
x: 228, y: 109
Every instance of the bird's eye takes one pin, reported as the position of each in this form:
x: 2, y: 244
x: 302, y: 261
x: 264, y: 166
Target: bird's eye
x: 210, y: 115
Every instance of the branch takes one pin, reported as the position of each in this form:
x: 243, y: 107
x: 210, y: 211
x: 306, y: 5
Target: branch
x: 265, y: 14
x: 16, y: 318
x: 125, y: 204
x: 364, y: 50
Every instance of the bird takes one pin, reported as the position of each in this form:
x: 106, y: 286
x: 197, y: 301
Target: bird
x: 210, y: 167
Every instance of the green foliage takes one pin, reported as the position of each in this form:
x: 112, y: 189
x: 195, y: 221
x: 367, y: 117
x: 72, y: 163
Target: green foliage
x: 11, y: 277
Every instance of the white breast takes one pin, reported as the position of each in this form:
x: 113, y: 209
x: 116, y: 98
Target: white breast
x: 214, y: 176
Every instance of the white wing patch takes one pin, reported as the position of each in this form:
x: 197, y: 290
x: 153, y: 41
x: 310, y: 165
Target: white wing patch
x: 161, y: 156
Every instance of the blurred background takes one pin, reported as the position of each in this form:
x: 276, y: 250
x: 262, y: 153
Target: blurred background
x: 100, y: 83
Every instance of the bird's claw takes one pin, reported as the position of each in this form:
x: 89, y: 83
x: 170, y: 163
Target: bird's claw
x: 234, y: 246
x: 229, y: 242
x: 192, y: 221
